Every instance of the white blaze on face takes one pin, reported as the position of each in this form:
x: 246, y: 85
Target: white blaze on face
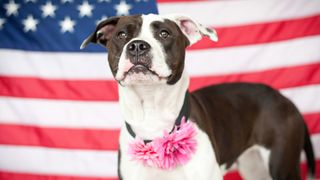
x: 157, y: 54
x: 159, y: 64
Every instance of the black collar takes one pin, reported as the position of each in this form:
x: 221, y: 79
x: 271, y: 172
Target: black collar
x: 184, y: 112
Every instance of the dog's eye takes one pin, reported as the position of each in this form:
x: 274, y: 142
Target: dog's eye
x: 122, y: 35
x: 164, y: 34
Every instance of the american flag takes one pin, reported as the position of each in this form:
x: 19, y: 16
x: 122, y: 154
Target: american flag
x: 59, y: 115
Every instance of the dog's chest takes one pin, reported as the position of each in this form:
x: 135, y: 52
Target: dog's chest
x: 202, y: 165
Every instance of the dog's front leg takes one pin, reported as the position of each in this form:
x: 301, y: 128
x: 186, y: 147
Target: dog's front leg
x: 217, y: 173
x: 203, y: 165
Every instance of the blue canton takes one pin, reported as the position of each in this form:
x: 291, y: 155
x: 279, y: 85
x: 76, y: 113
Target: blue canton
x: 60, y: 25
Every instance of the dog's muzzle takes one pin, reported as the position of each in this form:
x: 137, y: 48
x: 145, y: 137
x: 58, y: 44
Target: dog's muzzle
x: 138, y: 54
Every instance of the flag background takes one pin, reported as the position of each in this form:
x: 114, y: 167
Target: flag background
x: 59, y: 116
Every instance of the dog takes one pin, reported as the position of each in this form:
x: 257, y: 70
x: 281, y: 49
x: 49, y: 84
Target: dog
x: 171, y: 134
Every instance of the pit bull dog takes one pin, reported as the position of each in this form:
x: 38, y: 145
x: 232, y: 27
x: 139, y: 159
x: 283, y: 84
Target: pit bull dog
x: 171, y: 134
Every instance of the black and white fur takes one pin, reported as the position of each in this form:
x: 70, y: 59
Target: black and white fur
x: 152, y: 96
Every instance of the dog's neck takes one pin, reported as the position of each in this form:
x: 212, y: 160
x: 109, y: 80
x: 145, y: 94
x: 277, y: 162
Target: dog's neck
x: 151, y: 109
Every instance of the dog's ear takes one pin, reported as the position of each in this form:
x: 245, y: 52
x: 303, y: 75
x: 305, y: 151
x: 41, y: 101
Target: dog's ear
x: 191, y: 29
x: 103, y: 32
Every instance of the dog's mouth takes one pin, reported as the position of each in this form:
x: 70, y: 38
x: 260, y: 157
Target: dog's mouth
x: 141, y: 74
x: 140, y: 68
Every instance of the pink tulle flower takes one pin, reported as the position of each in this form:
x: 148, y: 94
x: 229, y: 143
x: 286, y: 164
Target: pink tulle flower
x: 144, y: 153
x: 169, y: 151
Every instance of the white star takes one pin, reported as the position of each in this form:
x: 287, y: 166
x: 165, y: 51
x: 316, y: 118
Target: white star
x: 12, y: 8
x: 101, y: 1
x: 48, y: 9
x: 101, y: 19
x: 66, y: 1
x: 85, y: 9
x: 30, y: 24
x: 33, y: 1
x: 67, y: 25
x: 2, y: 21
x: 123, y: 8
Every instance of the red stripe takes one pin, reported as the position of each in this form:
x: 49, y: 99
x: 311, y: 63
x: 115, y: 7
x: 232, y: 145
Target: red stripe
x: 278, y: 78
x: 31, y: 87
x: 5, y: 175
x: 98, y: 90
x: 83, y: 138
x: 313, y: 122
x: 262, y: 33
x: 56, y: 137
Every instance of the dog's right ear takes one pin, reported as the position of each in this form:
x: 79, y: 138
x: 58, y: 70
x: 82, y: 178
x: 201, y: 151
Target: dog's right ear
x: 103, y: 32
x: 191, y: 28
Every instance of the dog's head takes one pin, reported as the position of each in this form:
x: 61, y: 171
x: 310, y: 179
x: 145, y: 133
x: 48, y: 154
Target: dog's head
x: 147, y: 49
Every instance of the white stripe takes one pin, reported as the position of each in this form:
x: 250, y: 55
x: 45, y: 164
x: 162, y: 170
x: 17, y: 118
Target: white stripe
x: 58, y: 161
x: 107, y: 114
x: 236, y: 12
x: 199, y: 63
x: 253, y: 58
x: 88, y: 163
x: 64, y: 113
x: 315, y: 140
x: 306, y: 98
x: 54, y: 65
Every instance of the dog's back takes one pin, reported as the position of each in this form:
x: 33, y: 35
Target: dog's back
x: 237, y: 116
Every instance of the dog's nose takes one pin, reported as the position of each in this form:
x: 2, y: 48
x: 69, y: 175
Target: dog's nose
x: 138, y: 47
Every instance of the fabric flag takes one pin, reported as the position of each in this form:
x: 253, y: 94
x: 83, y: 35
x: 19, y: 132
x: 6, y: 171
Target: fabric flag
x: 59, y: 114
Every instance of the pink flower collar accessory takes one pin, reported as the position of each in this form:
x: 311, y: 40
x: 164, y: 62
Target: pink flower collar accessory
x: 170, y: 150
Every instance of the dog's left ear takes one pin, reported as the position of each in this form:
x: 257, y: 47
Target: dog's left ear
x: 103, y: 32
x: 191, y: 29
